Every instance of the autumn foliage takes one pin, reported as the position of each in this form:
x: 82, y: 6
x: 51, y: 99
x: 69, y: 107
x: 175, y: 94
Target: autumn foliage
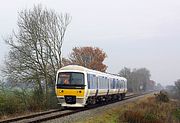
x: 90, y: 57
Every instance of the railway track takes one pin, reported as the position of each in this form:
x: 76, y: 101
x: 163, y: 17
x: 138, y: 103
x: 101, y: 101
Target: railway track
x: 58, y: 113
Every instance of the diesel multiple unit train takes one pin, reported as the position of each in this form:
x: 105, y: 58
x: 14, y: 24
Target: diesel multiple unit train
x: 77, y: 86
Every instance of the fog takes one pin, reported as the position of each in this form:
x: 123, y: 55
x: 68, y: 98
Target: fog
x: 134, y: 34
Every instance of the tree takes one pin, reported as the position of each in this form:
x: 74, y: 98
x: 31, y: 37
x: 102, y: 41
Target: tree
x: 90, y: 57
x: 159, y: 86
x: 126, y: 73
x: 150, y: 85
x: 177, y: 86
x: 137, y: 79
x: 35, y: 50
x: 142, y: 77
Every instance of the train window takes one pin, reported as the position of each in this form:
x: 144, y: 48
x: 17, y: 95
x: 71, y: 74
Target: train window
x: 122, y: 84
x: 97, y: 81
x: 70, y: 78
x: 101, y: 83
x: 108, y: 83
x: 92, y: 81
x: 88, y: 79
x: 114, y: 82
x: 111, y: 83
x: 77, y: 78
x: 117, y: 85
x: 94, y: 84
x: 105, y: 83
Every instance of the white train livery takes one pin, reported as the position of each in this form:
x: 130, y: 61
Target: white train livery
x: 77, y: 86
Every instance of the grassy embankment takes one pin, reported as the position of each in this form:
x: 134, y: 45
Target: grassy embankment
x: 146, y: 110
x: 17, y: 102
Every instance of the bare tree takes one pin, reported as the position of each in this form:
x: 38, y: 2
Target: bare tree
x: 126, y: 72
x: 177, y: 86
x: 35, y: 53
x: 142, y: 76
x: 137, y: 79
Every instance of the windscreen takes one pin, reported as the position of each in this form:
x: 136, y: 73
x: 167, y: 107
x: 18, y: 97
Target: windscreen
x: 70, y: 78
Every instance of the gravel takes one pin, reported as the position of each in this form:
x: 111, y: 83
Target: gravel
x: 90, y: 113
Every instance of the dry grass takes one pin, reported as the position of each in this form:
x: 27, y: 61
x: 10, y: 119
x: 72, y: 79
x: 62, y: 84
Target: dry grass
x: 146, y: 110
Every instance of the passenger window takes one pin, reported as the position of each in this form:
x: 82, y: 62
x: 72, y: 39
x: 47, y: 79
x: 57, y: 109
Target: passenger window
x: 92, y: 81
x: 114, y: 82
x: 111, y: 81
x: 88, y: 79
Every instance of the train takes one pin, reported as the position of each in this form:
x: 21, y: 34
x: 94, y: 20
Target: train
x: 77, y: 86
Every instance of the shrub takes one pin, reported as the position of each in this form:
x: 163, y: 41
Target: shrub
x: 9, y: 104
x: 162, y: 96
x: 21, y: 100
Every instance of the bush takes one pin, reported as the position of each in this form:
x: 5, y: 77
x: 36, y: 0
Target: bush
x: 162, y: 96
x: 9, y: 104
x: 18, y: 101
x: 21, y: 100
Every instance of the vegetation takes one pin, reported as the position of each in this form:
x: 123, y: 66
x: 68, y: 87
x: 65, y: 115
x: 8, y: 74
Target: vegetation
x: 138, y: 79
x: 146, y: 110
x: 90, y: 57
x: 174, y: 91
x: 162, y: 96
x: 15, y: 101
x: 35, y: 56
x: 177, y: 88
x: 35, y: 51
x: 176, y: 114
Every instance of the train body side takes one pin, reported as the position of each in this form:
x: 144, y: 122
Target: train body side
x: 95, y: 87
x: 105, y: 87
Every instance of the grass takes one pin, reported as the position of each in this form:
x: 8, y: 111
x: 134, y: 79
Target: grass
x: 176, y: 113
x: 146, y: 110
x: 16, y: 102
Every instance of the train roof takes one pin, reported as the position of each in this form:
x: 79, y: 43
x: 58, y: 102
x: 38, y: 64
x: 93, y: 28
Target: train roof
x: 83, y: 69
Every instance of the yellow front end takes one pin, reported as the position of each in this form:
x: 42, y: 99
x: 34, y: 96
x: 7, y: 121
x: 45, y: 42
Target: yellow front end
x: 71, y: 97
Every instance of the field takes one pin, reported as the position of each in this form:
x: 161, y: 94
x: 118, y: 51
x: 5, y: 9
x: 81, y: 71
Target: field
x: 146, y: 110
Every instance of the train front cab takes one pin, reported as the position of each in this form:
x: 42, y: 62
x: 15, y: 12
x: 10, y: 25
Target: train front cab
x: 70, y: 89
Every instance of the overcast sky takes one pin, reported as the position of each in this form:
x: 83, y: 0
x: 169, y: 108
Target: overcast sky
x: 133, y: 33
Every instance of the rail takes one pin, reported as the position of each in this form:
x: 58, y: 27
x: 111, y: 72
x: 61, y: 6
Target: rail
x: 58, y: 113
